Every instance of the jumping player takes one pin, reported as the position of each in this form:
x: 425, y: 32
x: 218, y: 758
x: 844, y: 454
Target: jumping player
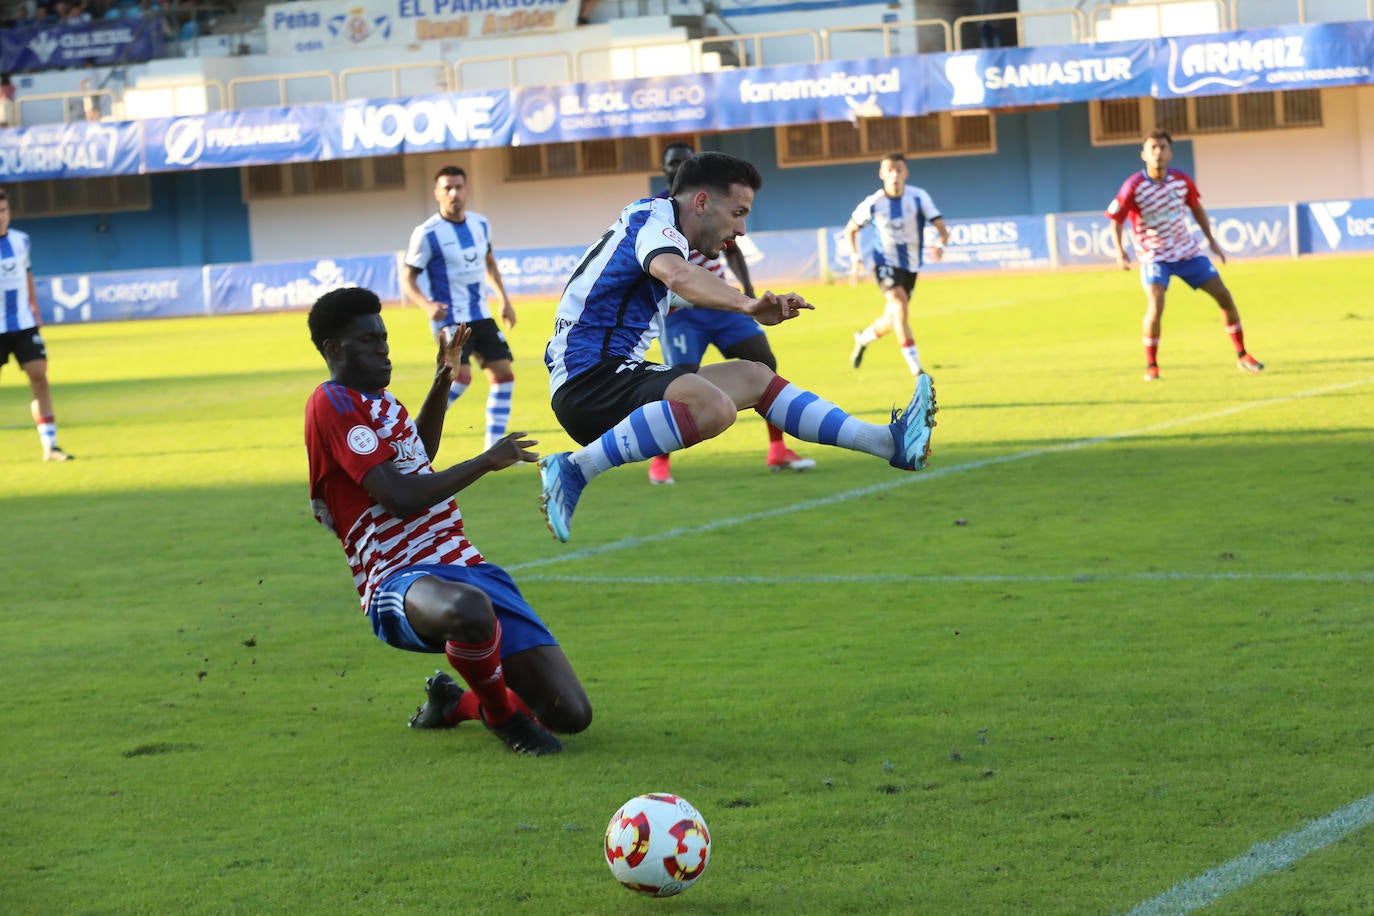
x: 688, y: 331
x: 453, y: 249
x: 1155, y: 199
x: 19, y: 324
x: 424, y: 586
x: 899, y: 213
x: 621, y: 408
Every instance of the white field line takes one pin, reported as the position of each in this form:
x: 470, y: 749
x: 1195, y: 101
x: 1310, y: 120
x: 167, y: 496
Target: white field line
x: 1079, y: 579
x: 923, y: 477
x: 1259, y: 860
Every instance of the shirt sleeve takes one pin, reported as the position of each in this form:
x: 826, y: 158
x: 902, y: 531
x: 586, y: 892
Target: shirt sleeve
x: 1193, y: 197
x: 927, y: 204
x: 656, y: 236
x: 863, y: 212
x: 345, y: 434
x: 417, y: 252
x: 1123, y: 203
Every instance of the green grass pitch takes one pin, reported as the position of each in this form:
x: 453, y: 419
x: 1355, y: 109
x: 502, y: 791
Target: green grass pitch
x: 1118, y: 634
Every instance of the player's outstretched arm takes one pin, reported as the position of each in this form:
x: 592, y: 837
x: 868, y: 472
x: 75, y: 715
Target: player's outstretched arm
x: 429, y: 423
x: 403, y: 495
x: 697, y: 284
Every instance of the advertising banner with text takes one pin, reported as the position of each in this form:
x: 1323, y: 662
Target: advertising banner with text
x: 121, y: 295
x: 1334, y: 226
x: 310, y: 26
x: 296, y: 284
x: 102, y: 43
x: 1291, y: 57
x: 1003, y: 77
x: 1086, y: 238
x: 82, y: 149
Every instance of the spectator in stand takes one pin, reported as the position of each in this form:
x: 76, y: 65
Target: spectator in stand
x: 584, y: 12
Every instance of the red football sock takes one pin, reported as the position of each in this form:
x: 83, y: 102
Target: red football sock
x: 479, y: 664
x: 774, y: 435
x: 468, y: 707
x: 1237, y: 337
x: 1151, y: 351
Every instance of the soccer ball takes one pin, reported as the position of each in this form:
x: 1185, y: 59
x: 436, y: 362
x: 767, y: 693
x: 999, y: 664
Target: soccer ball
x: 657, y: 844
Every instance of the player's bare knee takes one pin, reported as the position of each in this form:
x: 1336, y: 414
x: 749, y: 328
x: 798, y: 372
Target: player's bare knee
x: 466, y: 615
x: 714, y: 414
x: 568, y: 715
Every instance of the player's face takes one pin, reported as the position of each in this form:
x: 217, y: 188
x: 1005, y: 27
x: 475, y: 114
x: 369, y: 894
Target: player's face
x: 722, y: 218
x: 672, y: 161
x: 893, y: 175
x: 1157, y: 154
x: 4, y: 216
x: 451, y: 191
x: 361, y: 357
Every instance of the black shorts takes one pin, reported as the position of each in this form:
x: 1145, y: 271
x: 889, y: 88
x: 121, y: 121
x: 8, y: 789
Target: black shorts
x: 890, y: 277
x: 593, y: 401
x: 26, y: 345
x: 486, y: 341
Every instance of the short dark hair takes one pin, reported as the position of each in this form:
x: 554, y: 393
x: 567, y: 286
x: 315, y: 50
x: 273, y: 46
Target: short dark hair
x: 677, y: 144
x: 450, y: 171
x: 715, y: 172
x: 332, y: 312
x: 894, y: 157
x: 3, y: 195
x: 1158, y: 133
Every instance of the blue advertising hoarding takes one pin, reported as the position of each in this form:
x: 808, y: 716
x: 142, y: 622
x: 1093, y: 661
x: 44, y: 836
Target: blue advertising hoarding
x: 83, y: 149
x: 1336, y: 226
x: 232, y: 138
x: 121, y: 295
x: 1250, y: 232
x: 1291, y: 57
x: 296, y: 284
x: 1003, y: 77
x: 101, y: 43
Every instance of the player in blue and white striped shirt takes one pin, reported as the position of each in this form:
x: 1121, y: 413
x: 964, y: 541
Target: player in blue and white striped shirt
x: 899, y: 213
x: 19, y: 323
x: 453, y: 250
x: 621, y: 408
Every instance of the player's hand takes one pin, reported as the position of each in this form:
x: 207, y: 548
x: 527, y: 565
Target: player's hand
x: 1123, y: 260
x: 1218, y: 253
x: 511, y: 448
x: 773, y: 308
x: 436, y: 310
x: 452, y: 339
x: 508, y: 314
x: 937, y: 253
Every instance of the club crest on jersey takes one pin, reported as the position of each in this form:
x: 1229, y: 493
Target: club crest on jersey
x: 362, y: 440
x: 675, y: 237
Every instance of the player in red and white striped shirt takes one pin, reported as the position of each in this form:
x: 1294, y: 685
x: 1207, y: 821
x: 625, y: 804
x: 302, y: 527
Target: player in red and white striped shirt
x: 1156, y: 200
x: 423, y: 584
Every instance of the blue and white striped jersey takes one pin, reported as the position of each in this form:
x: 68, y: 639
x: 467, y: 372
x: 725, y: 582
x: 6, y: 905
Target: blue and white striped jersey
x: 16, y: 313
x: 899, y: 223
x: 453, y: 257
x: 613, y: 308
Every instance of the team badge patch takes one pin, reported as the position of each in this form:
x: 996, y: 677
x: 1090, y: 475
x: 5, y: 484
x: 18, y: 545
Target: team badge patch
x: 362, y: 440
x: 675, y: 237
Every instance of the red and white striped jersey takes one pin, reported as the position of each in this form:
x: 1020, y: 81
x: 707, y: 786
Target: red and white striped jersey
x: 1158, y: 211
x: 347, y: 434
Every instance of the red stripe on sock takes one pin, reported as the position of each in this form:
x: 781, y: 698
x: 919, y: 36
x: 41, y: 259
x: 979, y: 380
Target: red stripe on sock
x: 686, y: 423
x: 770, y: 394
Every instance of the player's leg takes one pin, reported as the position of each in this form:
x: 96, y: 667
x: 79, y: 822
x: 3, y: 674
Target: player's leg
x: 1215, y: 287
x: 492, y: 352
x: 905, y: 441
x: 882, y: 325
x: 544, y: 677
x: 36, y: 368
x: 620, y: 411
x: 500, y: 389
x: 1155, y: 280
x: 899, y: 315
x: 756, y: 347
x: 460, y: 615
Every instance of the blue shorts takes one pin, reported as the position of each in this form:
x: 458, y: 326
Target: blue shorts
x: 521, y: 627
x: 687, y: 332
x: 1194, y: 271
